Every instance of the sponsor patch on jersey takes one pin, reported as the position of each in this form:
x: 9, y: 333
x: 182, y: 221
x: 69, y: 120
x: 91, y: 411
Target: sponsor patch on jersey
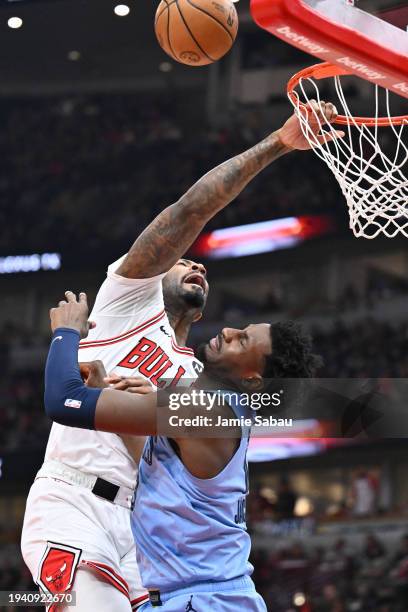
x: 71, y: 403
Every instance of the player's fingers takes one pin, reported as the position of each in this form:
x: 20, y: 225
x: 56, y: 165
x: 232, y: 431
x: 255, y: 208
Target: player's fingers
x: 315, y: 113
x: 85, y: 371
x: 331, y: 112
x: 321, y: 112
x: 140, y: 385
x: 137, y: 381
x: 70, y: 296
x: 91, y: 324
x: 112, y: 380
x: 323, y: 138
x: 328, y: 137
x: 139, y: 390
x: 123, y: 385
x: 114, y: 376
x: 133, y: 383
x: 133, y: 386
x: 83, y: 298
x: 312, y: 108
x: 62, y: 303
x: 328, y: 112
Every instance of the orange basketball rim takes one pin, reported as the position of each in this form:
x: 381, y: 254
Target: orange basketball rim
x: 326, y: 70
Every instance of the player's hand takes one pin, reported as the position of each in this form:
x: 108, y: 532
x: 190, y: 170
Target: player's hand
x: 131, y: 384
x: 93, y: 374
x: 291, y: 134
x: 72, y: 313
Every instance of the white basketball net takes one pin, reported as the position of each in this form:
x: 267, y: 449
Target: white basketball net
x: 372, y: 180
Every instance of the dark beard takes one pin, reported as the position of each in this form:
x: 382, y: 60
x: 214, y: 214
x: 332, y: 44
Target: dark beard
x: 200, y: 353
x: 194, y: 300
x: 179, y: 303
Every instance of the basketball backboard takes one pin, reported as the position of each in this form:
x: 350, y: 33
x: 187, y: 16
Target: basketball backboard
x: 339, y: 32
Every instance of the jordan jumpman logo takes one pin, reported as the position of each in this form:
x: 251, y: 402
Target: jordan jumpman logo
x: 189, y: 607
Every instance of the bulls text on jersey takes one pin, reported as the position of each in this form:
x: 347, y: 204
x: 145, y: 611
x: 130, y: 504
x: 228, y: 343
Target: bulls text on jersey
x: 152, y: 362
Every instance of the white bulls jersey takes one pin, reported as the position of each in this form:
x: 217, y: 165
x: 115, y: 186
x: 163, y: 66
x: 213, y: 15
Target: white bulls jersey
x: 133, y: 337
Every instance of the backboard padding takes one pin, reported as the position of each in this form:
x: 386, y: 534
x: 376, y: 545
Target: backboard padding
x: 341, y: 34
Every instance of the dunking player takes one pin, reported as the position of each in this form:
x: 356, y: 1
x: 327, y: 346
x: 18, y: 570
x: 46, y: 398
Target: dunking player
x: 78, y: 509
x: 189, y: 516
x: 154, y: 252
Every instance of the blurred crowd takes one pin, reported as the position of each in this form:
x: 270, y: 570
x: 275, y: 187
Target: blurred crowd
x: 340, y: 577
x: 283, y: 510
x: 94, y: 170
x: 232, y: 308
x: 368, y: 348
x: 260, y: 52
x: 14, y: 575
x: 23, y: 423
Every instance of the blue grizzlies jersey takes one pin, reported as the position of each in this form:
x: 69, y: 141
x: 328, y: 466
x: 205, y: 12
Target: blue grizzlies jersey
x: 189, y: 530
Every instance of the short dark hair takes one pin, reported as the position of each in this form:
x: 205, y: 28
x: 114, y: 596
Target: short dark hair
x: 292, y: 355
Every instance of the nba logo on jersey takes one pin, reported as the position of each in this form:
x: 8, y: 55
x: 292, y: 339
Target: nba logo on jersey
x: 70, y: 403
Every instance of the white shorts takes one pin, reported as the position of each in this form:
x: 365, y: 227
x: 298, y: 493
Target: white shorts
x: 67, y: 527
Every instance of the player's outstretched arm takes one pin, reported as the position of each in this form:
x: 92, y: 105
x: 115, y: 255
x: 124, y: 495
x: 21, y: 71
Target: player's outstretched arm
x: 173, y: 231
x: 69, y: 401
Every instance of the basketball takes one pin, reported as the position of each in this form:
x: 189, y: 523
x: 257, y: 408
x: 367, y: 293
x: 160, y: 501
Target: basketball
x: 196, y: 32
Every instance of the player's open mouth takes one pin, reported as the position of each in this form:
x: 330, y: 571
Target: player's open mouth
x: 215, y: 343
x: 195, y: 279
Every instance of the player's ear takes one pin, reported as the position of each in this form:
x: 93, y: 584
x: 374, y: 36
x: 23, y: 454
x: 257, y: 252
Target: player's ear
x: 197, y: 317
x: 252, y: 383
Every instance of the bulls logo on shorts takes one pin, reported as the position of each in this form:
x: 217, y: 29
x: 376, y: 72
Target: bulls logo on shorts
x: 57, y: 567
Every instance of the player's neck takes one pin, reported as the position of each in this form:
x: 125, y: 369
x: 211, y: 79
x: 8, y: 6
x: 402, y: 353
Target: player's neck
x: 181, y: 325
x: 209, y: 381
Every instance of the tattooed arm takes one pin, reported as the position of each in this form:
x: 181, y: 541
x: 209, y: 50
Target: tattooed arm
x: 173, y: 231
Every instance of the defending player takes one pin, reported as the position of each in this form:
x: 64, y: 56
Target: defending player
x: 189, y: 516
x: 96, y: 468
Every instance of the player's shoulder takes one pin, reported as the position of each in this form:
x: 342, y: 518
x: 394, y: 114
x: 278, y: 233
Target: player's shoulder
x: 114, y: 272
x: 136, y: 299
